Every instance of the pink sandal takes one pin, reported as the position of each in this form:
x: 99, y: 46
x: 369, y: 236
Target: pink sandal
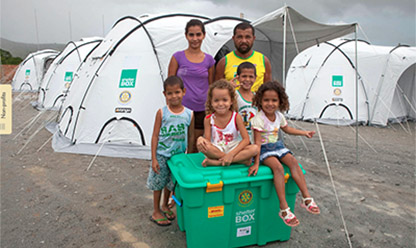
x: 289, y: 217
x: 310, y: 206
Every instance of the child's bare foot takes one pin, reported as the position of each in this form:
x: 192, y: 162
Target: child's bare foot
x: 211, y: 162
x: 246, y: 162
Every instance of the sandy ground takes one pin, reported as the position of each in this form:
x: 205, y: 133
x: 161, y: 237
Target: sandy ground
x: 49, y: 200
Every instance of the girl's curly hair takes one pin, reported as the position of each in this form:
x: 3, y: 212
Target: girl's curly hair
x: 221, y: 84
x: 278, y: 88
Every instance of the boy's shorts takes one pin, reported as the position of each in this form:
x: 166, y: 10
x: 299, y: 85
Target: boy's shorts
x: 277, y: 149
x: 227, y: 148
x: 156, y: 181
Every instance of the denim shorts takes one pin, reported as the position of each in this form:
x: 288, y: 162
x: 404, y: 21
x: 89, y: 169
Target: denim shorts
x: 163, y: 179
x: 277, y: 149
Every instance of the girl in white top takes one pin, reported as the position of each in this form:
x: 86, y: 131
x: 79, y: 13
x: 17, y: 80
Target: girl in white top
x: 270, y: 99
x: 222, y: 127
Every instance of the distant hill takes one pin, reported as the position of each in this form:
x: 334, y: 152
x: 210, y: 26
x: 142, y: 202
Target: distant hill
x: 18, y: 49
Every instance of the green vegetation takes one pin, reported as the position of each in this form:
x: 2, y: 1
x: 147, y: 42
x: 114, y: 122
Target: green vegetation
x: 8, y: 59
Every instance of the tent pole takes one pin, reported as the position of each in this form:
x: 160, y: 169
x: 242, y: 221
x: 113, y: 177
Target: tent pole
x: 356, y: 95
x: 284, y: 49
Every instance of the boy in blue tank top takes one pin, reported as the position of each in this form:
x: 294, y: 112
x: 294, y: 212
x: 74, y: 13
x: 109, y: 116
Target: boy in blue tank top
x: 172, y: 134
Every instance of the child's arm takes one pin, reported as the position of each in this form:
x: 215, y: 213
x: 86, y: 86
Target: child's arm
x: 191, y: 135
x: 202, y: 142
x: 155, y: 140
x: 255, y: 167
x: 294, y: 131
x: 228, y: 158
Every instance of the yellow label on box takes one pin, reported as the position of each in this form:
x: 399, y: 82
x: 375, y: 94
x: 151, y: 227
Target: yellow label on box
x: 215, y: 211
x: 5, y: 109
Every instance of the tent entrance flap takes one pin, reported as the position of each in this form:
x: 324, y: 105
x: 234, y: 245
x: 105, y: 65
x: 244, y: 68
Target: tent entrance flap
x: 124, y: 130
x: 336, y: 111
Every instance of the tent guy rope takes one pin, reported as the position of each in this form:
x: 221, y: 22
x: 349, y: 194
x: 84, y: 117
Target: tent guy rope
x: 333, y: 185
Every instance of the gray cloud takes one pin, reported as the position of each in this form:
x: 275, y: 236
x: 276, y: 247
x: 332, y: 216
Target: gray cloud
x: 385, y: 22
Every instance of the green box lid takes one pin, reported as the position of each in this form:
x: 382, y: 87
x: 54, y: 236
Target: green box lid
x: 188, y: 171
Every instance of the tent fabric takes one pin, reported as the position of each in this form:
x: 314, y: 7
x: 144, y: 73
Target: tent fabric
x: 31, y: 70
x: 321, y: 83
x: 301, y: 33
x: 117, y: 91
x: 59, y: 76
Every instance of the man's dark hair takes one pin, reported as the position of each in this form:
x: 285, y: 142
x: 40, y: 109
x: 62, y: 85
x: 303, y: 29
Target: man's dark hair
x: 243, y: 26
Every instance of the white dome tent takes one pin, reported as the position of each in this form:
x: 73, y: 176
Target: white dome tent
x: 31, y: 70
x: 59, y: 75
x: 321, y: 83
x: 116, y: 93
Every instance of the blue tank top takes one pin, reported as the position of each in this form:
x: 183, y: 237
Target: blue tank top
x: 173, y: 134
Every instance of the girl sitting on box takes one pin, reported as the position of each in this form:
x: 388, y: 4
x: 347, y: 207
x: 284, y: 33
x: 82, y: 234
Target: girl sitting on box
x: 222, y: 126
x: 271, y: 100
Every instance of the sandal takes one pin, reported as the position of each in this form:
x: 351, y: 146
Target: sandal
x: 290, y: 217
x: 312, y: 205
x: 157, y: 221
x: 170, y: 215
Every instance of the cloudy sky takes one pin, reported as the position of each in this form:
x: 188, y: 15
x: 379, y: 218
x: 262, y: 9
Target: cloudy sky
x: 384, y: 22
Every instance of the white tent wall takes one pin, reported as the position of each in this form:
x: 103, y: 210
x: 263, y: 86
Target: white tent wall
x: 86, y: 75
x: 31, y: 70
x: 312, y: 94
x: 59, y: 75
x: 105, y: 94
x: 98, y: 110
x: 399, y: 60
x: 406, y: 94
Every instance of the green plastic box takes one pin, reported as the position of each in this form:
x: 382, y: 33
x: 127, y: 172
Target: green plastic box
x: 223, y: 207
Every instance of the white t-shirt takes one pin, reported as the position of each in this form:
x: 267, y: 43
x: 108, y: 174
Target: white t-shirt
x: 269, y: 130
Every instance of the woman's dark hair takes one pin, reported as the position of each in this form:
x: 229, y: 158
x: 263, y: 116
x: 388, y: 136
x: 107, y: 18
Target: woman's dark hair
x: 194, y: 22
x: 281, y: 93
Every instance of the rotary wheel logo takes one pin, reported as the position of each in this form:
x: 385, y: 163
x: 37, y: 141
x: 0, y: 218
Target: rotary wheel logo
x: 125, y: 96
x: 245, y: 197
x: 337, y: 91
